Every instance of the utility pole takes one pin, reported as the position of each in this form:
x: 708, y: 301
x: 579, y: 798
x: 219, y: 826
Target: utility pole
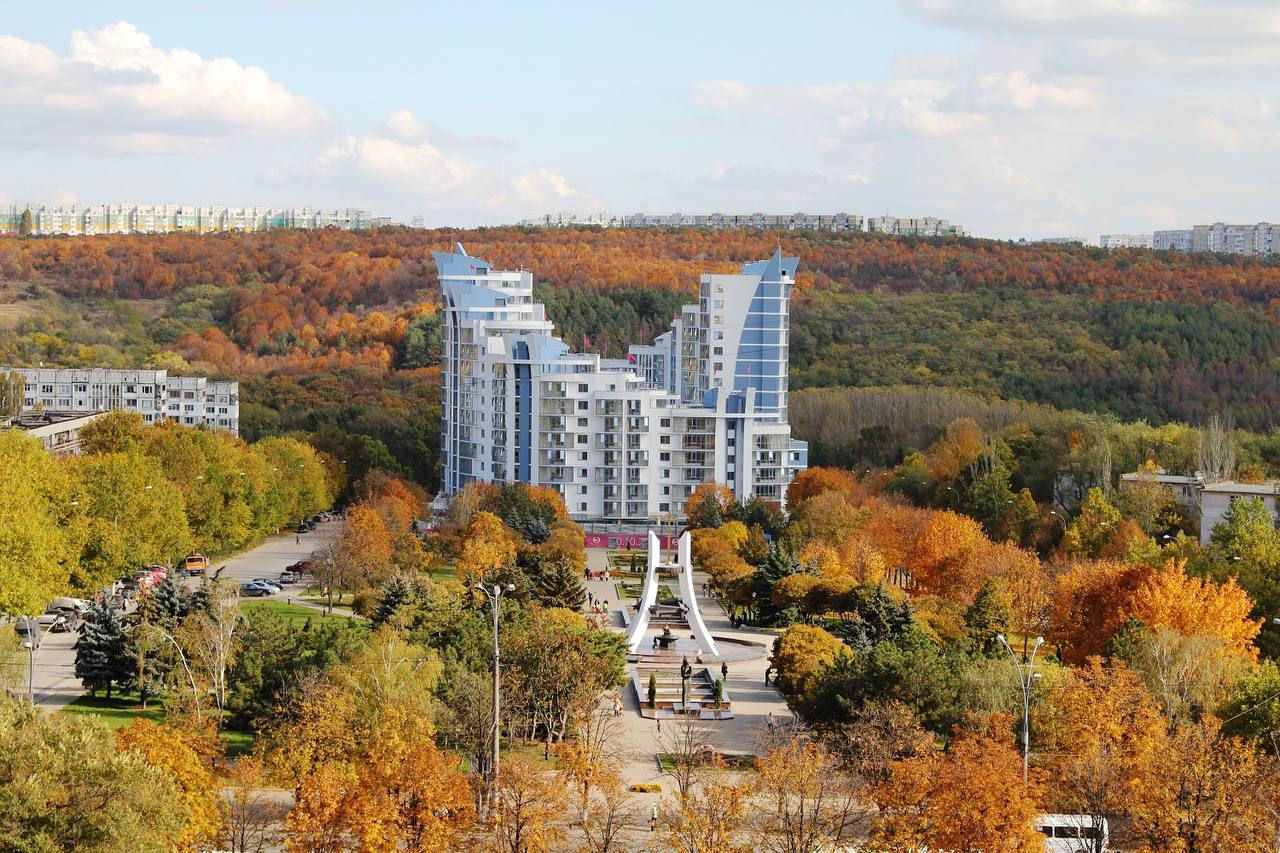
x: 1026, y: 678
x: 495, y: 596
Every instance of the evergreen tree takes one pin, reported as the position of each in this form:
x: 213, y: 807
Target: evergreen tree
x: 395, y: 594
x: 559, y: 584
x: 25, y: 224
x: 167, y: 602
x: 780, y: 563
x: 101, y: 658
x: 880, y: 618
x: 989, y: 616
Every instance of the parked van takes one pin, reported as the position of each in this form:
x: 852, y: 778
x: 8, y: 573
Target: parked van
x: 195, y: 564
x: 1073, y: 833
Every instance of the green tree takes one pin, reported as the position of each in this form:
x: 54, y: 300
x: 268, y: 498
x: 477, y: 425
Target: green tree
x: 990, y: 498
x: 559, y: 584
x: 1250, y: 545
x: 12, y: 395
x: 101, y: 656
x: 1093, y: 527
x: 25, y: 223
x: 779, y: 563
x: 116, y: 431
x: 989, y: 616
x: 40, y: 528
x: 135, y: 515
x: 64, y: 786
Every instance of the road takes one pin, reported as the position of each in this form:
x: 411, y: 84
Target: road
x: 56, y: 685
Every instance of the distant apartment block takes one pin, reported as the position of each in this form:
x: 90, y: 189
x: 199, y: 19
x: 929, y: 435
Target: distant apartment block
x: 1126, y: 241
x: 927, y: 226
x: 1173, y: 240
x: 839, y: 222
x: 187, y: 400
x: 80, y: 220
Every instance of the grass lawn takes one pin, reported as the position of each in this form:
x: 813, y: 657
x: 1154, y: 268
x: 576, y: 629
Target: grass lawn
x: 297, y: 614
x: 633, y: 590
x: 120, y: 711
x: 444, y: 574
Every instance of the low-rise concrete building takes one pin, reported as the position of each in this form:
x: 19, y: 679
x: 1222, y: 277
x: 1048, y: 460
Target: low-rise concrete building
x: 1216, y: 499
x: 59, y: 432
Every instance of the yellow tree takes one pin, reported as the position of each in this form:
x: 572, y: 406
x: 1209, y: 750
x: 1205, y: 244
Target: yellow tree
x: 815, y: 481
x: 165, y: 747
x: 807, y: 804
x: 1204, y: 792
x: 39, y: 528
x: 486, y: 549
x: 800, y: 654
x: 939, y: 560
x: 527, y: 810
x: 1169, y: 598
x: 826, y: 517
x: 1087, y: 603
x: 319, y: 821
x: 1109, y: 727
x: 1093, y: 527
x: 969, y: 799
x: 709, y: 819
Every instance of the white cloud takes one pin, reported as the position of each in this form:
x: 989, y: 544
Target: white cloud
x: 399, y: 161
x: 114, y: 90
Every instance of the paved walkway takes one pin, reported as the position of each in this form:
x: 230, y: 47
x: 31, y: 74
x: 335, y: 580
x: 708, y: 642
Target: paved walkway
x: 752, y: 701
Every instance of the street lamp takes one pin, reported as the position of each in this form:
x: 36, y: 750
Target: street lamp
x: 495, y: 596
x: 31, y: 626
x: 1026, y: 677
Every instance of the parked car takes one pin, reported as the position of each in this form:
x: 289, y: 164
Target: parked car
x: 288, y: 577
x: 27, y: 631
x: 275, y: 585
x: 53, y: 620
x: 253, y: 589
x: 65, y: 602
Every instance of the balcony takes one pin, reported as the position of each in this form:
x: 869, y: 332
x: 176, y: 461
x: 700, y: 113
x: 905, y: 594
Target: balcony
x: 634, y: 475
x: 637, y: 493
x: 612, y: 493
x: 556, y: 475
x: 607, y: 442
x: 612, y: 424
x: 613, y: 457
x: 638, y: 457
x: 638, y: 424
x: 608, y: 407
x: 553, y: 424
x: 605, y: 476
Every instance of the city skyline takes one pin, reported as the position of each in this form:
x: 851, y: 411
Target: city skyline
x: 1018, y: 120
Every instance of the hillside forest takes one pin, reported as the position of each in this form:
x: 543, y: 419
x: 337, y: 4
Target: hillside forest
x: 335, y: 333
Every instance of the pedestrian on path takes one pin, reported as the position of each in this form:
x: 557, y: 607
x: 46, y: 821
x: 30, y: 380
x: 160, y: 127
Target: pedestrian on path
x: 659, y: 719
x: 297, y: 540
x: 653, y: 819
x: 724, y: 670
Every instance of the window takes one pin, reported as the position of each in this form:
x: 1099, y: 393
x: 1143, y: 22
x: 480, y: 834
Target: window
x: 82, y: 389
x: 582, y: 439
x: 664, y: 439
x: 719, y: 336
x: 665, y: 423
x: 666, y: 490
x: 717, y: 350
x: 718, y: 319
x: 582, y: 507
x: 582, y: 472
x: 583, y: 405
x: 664, y: 507
x: 582, y: 490
x: 666, y: 473
x: 582, y: 388
x: 718, y: 303
x: 582, y: 422
x: 664, y: 456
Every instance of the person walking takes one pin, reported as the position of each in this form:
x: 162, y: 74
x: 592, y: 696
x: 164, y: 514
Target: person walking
x: 653, y: 819
x: 724, y: 671
x: 297, y: 539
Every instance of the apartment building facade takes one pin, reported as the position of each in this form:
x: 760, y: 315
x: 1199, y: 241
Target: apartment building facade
x: 84, y: 220
x: 1125, y: 241
x: 925, y: 226
x: 621, y: 441
x: 187, y: 400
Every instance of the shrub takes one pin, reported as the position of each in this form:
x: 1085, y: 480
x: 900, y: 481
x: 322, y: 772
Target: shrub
x: 646, y: 788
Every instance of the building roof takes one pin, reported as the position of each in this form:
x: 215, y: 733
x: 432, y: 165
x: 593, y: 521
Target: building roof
x: 1232, y: 487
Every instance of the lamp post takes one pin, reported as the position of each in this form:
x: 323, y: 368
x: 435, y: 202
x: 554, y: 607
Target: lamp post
x: 1026, y: 677
x: 31, y: 626
x: 494, y: 594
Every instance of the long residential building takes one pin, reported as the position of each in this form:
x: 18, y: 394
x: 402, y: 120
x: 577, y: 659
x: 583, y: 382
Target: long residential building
x: 622, y: 442
x: 1125, y: 241
x: 81, y: 220
x: 154, y: 394
x: 927, y: 226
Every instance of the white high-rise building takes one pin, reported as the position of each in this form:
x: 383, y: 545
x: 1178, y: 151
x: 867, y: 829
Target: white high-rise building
x: 154, y: 394
x: 621, y: 441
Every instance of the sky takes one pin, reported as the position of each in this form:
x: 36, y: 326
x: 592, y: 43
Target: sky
x: 1012, y: 118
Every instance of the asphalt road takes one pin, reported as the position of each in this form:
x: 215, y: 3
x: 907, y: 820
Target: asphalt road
x: 55, y: 683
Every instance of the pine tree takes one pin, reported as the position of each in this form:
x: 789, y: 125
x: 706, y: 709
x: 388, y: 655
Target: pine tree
x: 395, y: 593
x: 988, y: 616
x: 101, y: 658
x: 169, y: 603
x: 560, y: 584
x: 780, y: 562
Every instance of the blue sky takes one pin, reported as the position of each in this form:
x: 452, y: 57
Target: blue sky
x: 1012, y: 118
